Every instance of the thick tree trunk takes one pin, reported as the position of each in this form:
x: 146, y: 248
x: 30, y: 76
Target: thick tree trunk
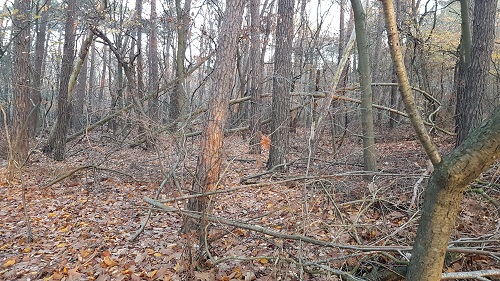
x: 365, y: 81
x: 209, y: 161
x: 21, y: 85
x: 483, y: 32
x: 444, y: 194
x: 281, y: 84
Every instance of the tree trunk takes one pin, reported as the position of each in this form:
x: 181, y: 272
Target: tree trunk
x: 483, y: 32
x: 78, y: 99
x: 154, y: 80
x: 443, y: 196
x: 178, y: 97
x: 57, y: 139
x: 21, y: 85
x: 463, y: 64
x: 404, y: 84
x: 282, y: 80
x: 256, y: 75
x: 365, y: 81
x: 209, y: 161
x: 36, y: 95
x: 90, y: 99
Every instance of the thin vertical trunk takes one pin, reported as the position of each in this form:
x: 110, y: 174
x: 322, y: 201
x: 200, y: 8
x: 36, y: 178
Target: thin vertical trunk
x: 365, y: 80
x: 77, y: 116
x: 178, y: 98
x: 154, y: 80
x: 57, y: 139
x: 102, y: 85
x: 256, y: 75
x: 92, y: 76
x: 36, y: 95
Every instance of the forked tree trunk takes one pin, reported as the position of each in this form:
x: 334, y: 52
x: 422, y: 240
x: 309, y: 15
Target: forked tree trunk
x: 443, y: 196
x: 451, y: 176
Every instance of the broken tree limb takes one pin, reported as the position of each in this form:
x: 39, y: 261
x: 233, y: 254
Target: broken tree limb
x: 263, y: 230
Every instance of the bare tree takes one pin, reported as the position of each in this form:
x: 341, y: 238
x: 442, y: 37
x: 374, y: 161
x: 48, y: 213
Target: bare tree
x: 256, y: 74
x: 57, y: 139
x: 210, y: 158
x: 365, y: 80
x: 41, y: 34
x: 154, y: 80
x: 178, y: 96
x: 470, y: 106
x: 282, y: 82
x: 21, y: 84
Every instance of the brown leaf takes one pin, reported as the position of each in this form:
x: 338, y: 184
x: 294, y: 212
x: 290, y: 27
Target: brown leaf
x: 109, y: 262
x: 73, y: 274
x: 9, y: 262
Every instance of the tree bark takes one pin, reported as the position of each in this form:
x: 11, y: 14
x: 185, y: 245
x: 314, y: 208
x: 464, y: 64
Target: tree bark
x: 404, y: 84
x: 210, y: 158
x: 471, y: 112
x: 21, y: 85
x: 365, y: 81
x: 281, y: 84
x: 443, y: 196
x: 78, y: 99
x: 256, y: 75
x: 57, y: 139
x: 154, y: 80
x: 178, y: 96
x: 36, y: 95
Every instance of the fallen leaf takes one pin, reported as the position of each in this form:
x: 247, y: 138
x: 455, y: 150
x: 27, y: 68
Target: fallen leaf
x: 73, y: 274
x: 265, y: 142
x: 109, y: 262
x: 9, y: 262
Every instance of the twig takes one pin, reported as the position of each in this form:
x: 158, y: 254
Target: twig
x: 263, y: 230
x: 150, y: 212
x: 70, y: 173
x: 416, y: 186
x: 471, y: 274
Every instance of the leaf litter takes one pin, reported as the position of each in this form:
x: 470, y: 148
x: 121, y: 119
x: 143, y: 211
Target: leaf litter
x: 82, y: 223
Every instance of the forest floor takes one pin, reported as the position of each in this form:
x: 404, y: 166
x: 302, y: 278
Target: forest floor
x: 84, y: 210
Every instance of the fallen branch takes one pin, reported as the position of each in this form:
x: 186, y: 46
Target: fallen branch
x: 471, y: 274
x: 263, y: 230
x: 70, y: 173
